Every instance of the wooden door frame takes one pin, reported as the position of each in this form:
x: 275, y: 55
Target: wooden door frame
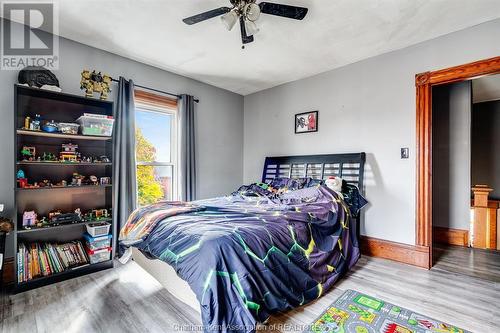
x: 424, y: 83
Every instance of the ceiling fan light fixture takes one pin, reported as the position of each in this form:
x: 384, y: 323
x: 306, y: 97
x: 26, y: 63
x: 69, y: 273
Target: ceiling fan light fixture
x: 229, y: 19
x: 251, y: 28
x: 252, y: 11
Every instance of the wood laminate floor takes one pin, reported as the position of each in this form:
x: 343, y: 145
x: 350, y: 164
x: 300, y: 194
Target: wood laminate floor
x: 128, y: 299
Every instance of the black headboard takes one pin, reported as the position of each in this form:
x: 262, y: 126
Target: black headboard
x: 349, y: 167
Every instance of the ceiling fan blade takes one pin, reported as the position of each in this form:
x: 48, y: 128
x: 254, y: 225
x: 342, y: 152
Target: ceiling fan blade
x: 244, y: 38
x: 206, y: 15
x: 293, y: 12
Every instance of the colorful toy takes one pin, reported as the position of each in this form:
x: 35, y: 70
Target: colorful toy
x: 77, y: 179
x: 49, y: 157
x: 29, y: 218
x: 21, y: 179
x: 28, y: 153
x: 98, y: 214
x: 69, y: 153
x: 105, y: 180
x: 50, y: 127
x: 20, y: 174
x: 35, y: 124
x: 93, y: 180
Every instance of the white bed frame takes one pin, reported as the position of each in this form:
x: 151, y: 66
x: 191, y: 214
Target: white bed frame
x: 168, y: 278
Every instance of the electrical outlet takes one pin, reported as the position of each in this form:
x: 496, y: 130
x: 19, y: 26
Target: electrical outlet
x: 405, y: 153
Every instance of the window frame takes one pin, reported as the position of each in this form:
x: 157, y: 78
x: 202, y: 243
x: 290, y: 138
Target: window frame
x: 149, y: 102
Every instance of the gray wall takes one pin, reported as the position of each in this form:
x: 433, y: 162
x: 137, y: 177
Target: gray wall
x: 451, y: 165
x: 367, y: 106
x: 486, y: 146
x: 219, y: 117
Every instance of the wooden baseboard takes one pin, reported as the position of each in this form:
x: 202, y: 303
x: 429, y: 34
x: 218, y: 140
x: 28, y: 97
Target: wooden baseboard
x: 8, y: 271
x: 409, y: 254
x: 450, y: 236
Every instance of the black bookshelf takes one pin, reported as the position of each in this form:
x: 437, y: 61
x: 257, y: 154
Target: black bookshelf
x: 60, y: 107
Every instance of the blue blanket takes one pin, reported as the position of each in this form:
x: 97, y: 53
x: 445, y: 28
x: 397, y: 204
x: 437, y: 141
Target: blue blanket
x: 246, y: 257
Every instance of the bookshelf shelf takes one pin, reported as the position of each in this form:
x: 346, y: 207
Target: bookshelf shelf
x: 67, y: 274
x: 62, y: 136
x: 61, y: 164
x: 66, y: 108
x: 66, y: 188
x: 59, y: 227
x: 60, y: 97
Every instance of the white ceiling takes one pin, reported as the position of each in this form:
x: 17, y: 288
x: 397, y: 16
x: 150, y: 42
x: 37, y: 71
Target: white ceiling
x: 335, y: 33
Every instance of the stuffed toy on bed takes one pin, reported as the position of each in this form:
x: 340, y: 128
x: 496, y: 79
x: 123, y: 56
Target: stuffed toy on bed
x: 334, y: 183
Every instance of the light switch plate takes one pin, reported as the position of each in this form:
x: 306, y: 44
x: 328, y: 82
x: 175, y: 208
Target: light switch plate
x: 405, y: 153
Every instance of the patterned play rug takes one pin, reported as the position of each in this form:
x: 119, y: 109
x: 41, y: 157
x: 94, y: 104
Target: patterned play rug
x: 358, y: 313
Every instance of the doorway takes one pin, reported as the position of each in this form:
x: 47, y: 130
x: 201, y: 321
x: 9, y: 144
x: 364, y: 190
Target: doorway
x: 424, y: 84
x: 466, y: 175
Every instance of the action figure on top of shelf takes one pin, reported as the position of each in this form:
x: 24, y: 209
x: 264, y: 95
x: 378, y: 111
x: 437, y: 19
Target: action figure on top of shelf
x: 95, y: 82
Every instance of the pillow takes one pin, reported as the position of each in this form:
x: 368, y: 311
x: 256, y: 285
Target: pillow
x: 315, y: 182
x: 297, y: 183
x: 278, y: 183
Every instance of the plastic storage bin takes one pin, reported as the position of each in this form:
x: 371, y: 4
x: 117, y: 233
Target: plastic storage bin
x: 99, y: 255
x: 97, y: 243
x: 68, y: 128
x: 96, y: 125
x: 97, y: 229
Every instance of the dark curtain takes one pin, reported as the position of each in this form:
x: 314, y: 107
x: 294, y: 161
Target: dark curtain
x: 124, y: 172
x: 187, y: 147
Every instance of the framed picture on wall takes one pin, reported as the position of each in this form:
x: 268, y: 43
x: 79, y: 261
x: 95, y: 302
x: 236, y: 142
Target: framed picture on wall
x: 306, y: 122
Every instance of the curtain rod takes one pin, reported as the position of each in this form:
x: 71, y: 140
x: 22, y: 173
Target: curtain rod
x: 158, y: 91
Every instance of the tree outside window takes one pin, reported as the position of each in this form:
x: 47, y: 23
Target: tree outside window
x: 153, y: 154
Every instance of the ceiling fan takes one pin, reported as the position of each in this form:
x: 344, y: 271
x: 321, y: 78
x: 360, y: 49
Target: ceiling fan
x: 248, y: 12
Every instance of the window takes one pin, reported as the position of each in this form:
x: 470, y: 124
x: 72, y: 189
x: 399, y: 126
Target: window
x: 156, y: 150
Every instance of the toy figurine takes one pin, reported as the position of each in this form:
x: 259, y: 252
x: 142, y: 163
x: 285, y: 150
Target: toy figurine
x: 28, y: 153
x: 77, y: 179
x: 105, y: 159
x: 78, y: 212
x: 95, y: 82
x: 20, y: 174
x: 45, y: 183
x: 21, y: 179
x: 29, y: 219
x: 105, y: 180
x: 48, y: 157
x: 43, y: 222
x: 93, y: 180
x: 36, y: 123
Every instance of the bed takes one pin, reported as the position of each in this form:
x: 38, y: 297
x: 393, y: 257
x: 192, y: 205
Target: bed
x: 267, y: 255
